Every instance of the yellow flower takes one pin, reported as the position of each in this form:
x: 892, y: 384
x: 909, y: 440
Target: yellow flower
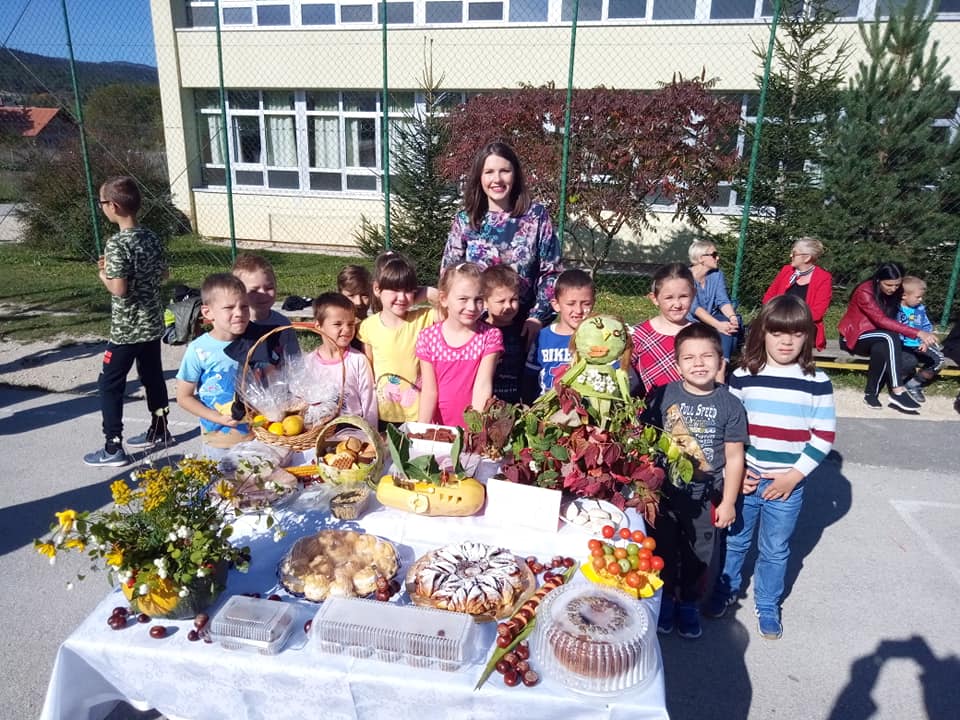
x: 225, y: 490
x: 122, y: 494
x: 47, y: 549
x: 66, y: 519
x: 114, y: 557
x: 74, y: 543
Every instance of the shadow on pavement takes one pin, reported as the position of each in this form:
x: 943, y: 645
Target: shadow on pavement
x: 938, y: 678
x: 53, y: 356
x: 708, y: 678
x: 43, y: 416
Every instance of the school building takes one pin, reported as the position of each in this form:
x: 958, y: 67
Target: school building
x: 303, y: 81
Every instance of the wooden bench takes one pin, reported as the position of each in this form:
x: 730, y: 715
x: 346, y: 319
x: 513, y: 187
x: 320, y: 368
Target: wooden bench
x: 833, y: 358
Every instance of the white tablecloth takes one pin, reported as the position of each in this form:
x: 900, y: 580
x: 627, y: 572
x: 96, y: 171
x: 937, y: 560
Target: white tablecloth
x: 205, y: 682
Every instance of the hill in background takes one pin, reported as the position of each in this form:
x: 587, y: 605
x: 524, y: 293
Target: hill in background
x: 44, y: 74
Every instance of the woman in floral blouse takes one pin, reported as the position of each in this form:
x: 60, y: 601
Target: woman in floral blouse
x: 500, y: 224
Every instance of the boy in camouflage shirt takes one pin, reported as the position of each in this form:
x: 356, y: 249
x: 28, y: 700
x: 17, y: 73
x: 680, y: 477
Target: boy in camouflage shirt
x: 132, y: 268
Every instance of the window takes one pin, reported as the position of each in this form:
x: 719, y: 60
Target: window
x: 842, y: 8
x: 731, y: 9
x: 237, y: 16
x: 627, y: 9
x: 444, y: 11
x: 674, y: 9
x: 318, y: 14
x: 528, y: 10
x: 398, y: 13
x: 356, y: 13
x: 589, y: 10
x: 486, y: 11
x: 314, y: 140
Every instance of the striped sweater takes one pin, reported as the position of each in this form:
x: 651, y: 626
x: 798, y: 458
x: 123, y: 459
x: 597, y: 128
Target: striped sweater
x: 791, y: 420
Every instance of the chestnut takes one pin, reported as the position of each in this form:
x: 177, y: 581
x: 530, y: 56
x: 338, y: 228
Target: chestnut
x: 158, y: 632
x: 511, y: 657
x: 502, y: 666
x: 523, y: 651
x: 200, y: 621
x: 193, y: 636
x: 307, y: 625
x: 120, y: 610
x: 522, y: 666
x: 511, y: 678
x: 143, y: 618
x: 530, y: 678
x: 503, y: 641
x: 275, y: 598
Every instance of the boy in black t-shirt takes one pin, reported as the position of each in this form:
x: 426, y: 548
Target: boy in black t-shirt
x: 710, y: 425
x: 501, y: 296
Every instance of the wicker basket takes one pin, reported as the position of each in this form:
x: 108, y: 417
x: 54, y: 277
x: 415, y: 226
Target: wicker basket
x: 308, y: 438
x: 364, y: 472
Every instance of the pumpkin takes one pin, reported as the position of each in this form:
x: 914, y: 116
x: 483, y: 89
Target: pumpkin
x: 457, y: 497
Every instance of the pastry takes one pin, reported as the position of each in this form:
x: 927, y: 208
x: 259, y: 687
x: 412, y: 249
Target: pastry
x: 337, y: 563
x: 470, y: 577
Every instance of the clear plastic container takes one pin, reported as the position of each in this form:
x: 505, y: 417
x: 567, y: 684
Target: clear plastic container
x: 595, y: 640
x: 254, y: 624
x: 418, y: 636
x: 428, y: 446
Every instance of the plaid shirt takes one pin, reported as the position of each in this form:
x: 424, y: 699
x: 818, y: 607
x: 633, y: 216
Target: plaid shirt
x: 653, y: 357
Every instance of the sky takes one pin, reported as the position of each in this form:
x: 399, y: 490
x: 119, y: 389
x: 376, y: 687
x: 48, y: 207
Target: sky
x: 101, y: 29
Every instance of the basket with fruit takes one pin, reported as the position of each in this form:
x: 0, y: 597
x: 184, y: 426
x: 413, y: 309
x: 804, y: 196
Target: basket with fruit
x: 349, y: 451
x: 631, y: 567
x: 285, y: 408
x: 421, y: 486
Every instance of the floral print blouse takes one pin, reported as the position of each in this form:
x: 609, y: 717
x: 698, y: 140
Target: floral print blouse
x: 527, y: 243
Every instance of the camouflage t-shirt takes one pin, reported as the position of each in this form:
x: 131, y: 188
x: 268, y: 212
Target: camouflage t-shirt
x: 137, y: 255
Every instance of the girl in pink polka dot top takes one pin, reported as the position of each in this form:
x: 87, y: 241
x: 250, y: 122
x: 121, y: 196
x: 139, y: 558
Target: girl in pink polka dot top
x: 459, y: 354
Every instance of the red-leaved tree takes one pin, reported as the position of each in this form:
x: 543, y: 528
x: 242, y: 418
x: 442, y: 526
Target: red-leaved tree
x: 628, y: 149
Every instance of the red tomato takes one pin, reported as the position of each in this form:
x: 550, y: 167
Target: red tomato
x: 607, y: 531
x: 597, y: 552
x: 632, y: 579
x: 656, y: 563
x: 644, y: 553
x: 594, y: 544
x: 643, y: 565
x: 649, y: 543
x: 637, y: 536
x: 598, y: 563
x: 619, y: 553
x: 614, y: 568
x: 625, y: 533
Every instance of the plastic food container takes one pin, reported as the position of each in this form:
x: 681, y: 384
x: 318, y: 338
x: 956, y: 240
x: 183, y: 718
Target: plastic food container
x: 417, y: 636
x: 428, y: 446
x: 595, y: 640
x: 254, y: 624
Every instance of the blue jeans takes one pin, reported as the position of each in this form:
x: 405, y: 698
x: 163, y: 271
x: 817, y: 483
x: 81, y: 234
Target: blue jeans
x: 729, y: 343
x: 777, y: 519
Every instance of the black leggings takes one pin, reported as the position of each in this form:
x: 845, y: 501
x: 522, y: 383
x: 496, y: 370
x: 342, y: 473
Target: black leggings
x: 887, y: 359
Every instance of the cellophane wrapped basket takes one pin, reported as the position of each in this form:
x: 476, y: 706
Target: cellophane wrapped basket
x: 277, y: 392
x: 350, y: 452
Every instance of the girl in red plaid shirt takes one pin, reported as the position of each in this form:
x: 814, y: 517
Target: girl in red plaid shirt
x: 673, y: 292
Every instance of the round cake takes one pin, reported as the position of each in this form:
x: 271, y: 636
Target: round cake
x: 595, y: 639
x: 469, y: 577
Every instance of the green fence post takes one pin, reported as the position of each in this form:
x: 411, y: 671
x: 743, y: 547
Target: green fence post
x: 385, y: 129
x: 951, y: 288
x: 755, y: 150
x: 226, y: 138
x: 561, y: 221
x: 88, y: 172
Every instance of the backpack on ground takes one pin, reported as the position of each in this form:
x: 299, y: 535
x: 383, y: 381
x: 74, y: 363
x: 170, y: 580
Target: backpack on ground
x: 182, y: 316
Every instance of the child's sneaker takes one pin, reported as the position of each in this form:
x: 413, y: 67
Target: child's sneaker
x: 768, y: 622
x: 102, y: 458
x: 150, y: 438
x: 916, y: 392
x: 667, y: 611
x: 872, y: 401
x: 956, y: 404
x: 688, y: 621
x: 718, y: 604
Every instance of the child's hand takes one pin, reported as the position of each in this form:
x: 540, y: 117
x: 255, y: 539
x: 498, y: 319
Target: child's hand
x: 750, y: 482
x: 101, y: 263
x: 725, y: 515
x: 782, y: 485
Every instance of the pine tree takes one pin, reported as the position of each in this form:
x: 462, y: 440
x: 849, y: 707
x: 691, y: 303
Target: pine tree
x: 422, y: 202
x: 890, y: 177
x: 803, y: 90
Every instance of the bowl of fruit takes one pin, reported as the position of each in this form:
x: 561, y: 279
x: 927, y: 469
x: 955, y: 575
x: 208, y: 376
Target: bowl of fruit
x: 624, y: 559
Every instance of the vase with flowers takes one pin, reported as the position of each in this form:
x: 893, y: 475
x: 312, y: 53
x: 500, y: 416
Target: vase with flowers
x: 166, y: 539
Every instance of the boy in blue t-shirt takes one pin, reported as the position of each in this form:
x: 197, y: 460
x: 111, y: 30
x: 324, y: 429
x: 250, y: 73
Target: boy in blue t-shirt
x: 208, y: 375
x: 930, y: 358
x: 550, y: 358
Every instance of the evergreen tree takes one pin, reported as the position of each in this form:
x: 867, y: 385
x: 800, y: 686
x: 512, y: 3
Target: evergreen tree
x: 422, y: 202
x: 803, y: 90
x: 890, y: 177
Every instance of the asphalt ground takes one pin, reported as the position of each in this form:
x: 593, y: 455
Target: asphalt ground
x: 869, y: 620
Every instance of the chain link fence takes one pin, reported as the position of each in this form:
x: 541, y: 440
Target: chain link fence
x: 344, y: 127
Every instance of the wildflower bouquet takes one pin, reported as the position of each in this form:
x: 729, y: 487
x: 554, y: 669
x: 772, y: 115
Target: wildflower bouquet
x: 165, y: 540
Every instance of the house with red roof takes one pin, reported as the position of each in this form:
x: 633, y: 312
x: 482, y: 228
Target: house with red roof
x: 40, y: 126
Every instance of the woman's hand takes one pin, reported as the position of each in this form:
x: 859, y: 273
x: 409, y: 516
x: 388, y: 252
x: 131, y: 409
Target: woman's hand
x: 727, y: 328
x: 926, y: 339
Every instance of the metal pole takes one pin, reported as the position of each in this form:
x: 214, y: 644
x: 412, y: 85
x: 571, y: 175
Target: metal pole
x: 385, y: 129
x: 91, y: 201
x: 951, y: 288
x: 562, y: 219
x: 755, y: 151
x: 225, y: 138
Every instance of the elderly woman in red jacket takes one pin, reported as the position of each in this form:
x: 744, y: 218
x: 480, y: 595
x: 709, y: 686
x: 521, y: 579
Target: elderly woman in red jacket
x: 869, y: 327
x: 806, y: 280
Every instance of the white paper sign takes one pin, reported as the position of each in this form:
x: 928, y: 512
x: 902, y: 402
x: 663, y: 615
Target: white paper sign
x: 511, y: 504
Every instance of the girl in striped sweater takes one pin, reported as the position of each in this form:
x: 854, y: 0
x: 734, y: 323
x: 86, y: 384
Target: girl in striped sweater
x: 791, y: 424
